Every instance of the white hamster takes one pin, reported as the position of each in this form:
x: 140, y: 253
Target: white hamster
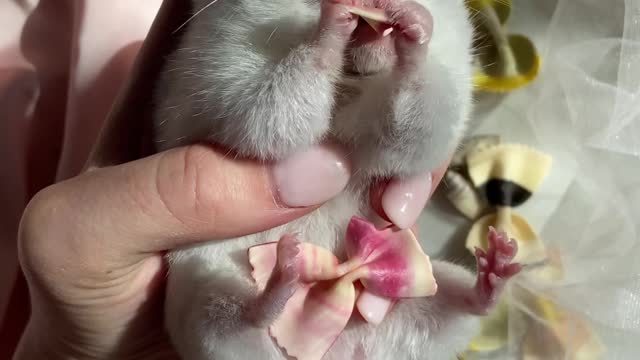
x: 268, y: 78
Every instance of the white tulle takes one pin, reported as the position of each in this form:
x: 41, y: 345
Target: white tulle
x: 587, y: 114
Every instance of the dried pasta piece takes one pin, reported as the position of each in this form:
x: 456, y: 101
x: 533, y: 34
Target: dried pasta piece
x: 472, y: 145
x: 376, y: 18
x: 507, y: 61
x: 508, y: 174
x: 462, y: 195
x: 561, y: 334
x: 531, y: 249
x: 374, y: 14
x: 388, y: 262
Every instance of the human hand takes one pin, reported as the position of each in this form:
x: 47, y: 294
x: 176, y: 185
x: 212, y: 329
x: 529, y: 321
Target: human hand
x: 91, y: 247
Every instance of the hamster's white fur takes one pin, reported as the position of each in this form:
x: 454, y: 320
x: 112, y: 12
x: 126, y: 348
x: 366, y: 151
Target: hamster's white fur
x: 265, y: 79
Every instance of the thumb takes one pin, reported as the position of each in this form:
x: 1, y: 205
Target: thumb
x: 177, y: 198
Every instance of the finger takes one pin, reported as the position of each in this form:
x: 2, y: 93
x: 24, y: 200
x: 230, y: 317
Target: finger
x: 401, y: 201
x: 178, y: 198
x: 373, y: 308
x: 404, y: 199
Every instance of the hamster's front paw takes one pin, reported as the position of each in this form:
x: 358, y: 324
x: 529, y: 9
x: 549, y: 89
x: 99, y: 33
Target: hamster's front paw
x: 335, y: 18
x: 413, y: 26
x: 494, y: 270
x: 334, y: 30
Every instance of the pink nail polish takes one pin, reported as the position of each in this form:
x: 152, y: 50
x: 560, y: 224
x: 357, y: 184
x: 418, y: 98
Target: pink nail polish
x: 311, y: 177
x: 373, y: 308
x: 404, y: 199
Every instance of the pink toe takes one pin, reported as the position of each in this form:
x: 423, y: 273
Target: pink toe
x: 288, y: 246
x: 494, y: 280
x: 482, y: 279
x: 513, y: 244
x: 482, y: 263
x: 512, y: 269
x: 499, y: 265
x: 507, y: 244
x: 493, y: 239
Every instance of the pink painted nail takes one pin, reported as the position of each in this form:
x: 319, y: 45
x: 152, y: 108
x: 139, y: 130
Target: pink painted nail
x: 311, y: 177
x: 404, y: 199
x: 373, y: 308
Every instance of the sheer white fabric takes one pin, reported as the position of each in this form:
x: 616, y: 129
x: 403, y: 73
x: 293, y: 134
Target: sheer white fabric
x: 587, y: 112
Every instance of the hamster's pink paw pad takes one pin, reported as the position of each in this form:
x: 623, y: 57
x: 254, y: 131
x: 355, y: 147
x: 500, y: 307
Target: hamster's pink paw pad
x: 494, y: 269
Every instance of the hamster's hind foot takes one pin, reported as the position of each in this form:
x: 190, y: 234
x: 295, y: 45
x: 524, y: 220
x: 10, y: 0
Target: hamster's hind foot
x: 494, y: 269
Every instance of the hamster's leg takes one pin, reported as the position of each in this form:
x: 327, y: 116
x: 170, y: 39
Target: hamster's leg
x: 440, y: 326
x: 226, y: 317
x: 494, y: 269
x: 263, y: 310
x: 260, y: 310
x: 428, y: 100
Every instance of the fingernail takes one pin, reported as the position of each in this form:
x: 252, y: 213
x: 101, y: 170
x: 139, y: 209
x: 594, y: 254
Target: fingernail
x: 404, y: 199
x: 373, y: 308
x: 311, y: 177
